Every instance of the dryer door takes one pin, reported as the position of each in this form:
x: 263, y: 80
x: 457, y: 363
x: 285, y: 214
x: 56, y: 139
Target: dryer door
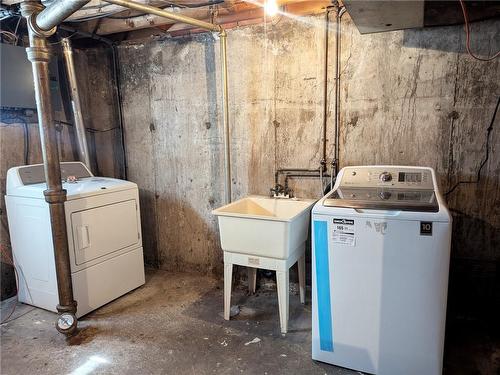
x: 104, y: 230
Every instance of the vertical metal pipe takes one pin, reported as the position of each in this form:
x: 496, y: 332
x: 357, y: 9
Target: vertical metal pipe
x: 340, y: 12
x: 225, y: 109
x: 55, y: 195
x: 118, y: 95
x: 325, y: 89
x: 81, y: 138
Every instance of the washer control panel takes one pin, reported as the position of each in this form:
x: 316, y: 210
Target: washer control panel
x: 385, y: 188
x: 394, y: 177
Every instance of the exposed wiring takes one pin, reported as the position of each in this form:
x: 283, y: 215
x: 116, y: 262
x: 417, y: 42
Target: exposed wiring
x: 17, y: 26
x: 15, y: 117
x: 487, y: 154
x: 467, y: 38
x: 90, y: 130
x: 12, y: 38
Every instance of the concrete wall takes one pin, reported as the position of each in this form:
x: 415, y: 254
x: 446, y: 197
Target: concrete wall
x: 99, y: 108
x: 408, y: 97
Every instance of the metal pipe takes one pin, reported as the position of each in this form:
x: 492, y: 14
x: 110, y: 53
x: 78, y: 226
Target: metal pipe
x: 144, y: 8
x: 55, y: 195
x: 57, y: 12
x: 303, y: 175
x: 81, y: 139
x: 116, y: 78
x: 118, y: 94
x: 340, y: 13
x: 225, y: 108
x: 325, y: 88
x: 285, y: 170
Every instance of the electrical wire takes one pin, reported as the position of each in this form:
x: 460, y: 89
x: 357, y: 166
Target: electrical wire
x: 15, y: 117
x: 26, y: 143
x: 483, y: 163
x: 13, y: 37
x: 467, y: 38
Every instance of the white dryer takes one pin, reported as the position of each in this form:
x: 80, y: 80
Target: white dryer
x: 381, y: 250
x: 104, y: 236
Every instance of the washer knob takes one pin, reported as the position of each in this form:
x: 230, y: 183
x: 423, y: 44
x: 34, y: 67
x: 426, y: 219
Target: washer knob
x: 385, y: 195
x: 385, y: 177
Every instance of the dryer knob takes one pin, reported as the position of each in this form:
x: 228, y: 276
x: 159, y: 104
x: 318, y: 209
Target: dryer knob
x: 385, y: 177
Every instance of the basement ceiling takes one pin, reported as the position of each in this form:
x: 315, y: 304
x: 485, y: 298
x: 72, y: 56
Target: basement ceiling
x: 370, y: 16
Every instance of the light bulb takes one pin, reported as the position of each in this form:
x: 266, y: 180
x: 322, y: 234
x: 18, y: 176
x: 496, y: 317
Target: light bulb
x: 271, y: 7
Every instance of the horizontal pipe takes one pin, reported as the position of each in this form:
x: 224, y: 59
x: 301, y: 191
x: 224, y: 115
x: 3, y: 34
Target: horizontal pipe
x: 57, y: 12
x: 285, y: 170
x: 164, y: 13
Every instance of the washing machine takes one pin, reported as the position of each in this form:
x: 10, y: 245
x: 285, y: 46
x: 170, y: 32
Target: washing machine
x: 104, y: 236
x: 380, y: 260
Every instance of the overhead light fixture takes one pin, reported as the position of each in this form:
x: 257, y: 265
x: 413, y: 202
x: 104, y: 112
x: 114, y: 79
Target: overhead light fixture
x: 271, y: 7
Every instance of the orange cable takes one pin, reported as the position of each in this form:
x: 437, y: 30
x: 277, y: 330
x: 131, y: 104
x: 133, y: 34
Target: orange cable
x: 467, y: 40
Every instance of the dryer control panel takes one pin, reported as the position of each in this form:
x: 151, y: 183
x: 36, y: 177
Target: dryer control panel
x: 35, y: 174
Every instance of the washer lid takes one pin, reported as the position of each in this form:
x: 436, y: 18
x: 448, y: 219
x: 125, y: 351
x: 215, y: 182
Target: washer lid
x: 84, y: 187
x: 383, y: 199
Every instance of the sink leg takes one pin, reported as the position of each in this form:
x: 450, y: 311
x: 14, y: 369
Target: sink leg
x: 252, y: 279
x: 228, y: 278
x: 282, y: 281
x: 302, y: 278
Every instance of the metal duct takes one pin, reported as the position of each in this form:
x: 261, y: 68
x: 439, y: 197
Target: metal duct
x: 81, y: 139
x: 57, y: 12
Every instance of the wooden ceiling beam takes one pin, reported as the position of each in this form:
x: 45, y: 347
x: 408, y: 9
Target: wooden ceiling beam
x: 237, y: 13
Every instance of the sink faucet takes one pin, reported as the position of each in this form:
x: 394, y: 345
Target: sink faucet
x: 279, y: 191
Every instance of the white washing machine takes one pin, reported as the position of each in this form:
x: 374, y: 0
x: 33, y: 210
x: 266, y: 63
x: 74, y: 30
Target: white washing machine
x: 104, y: 236
x: 381, y: 252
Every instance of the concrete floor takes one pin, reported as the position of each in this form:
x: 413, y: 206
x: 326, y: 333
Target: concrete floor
x: 174, y: 325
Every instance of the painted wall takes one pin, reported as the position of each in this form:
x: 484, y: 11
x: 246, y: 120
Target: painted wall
x: 407, y: 97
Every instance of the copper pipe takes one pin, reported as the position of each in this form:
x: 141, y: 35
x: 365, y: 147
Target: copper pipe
x: 166, y: 14
x: 55, y: 195
x: 340, y: 13
x: 325, y: 89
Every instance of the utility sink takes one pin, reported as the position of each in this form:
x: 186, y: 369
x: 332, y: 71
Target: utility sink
x: 264, y: 226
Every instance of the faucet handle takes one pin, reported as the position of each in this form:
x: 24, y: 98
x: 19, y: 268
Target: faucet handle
x: 277, y: 190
